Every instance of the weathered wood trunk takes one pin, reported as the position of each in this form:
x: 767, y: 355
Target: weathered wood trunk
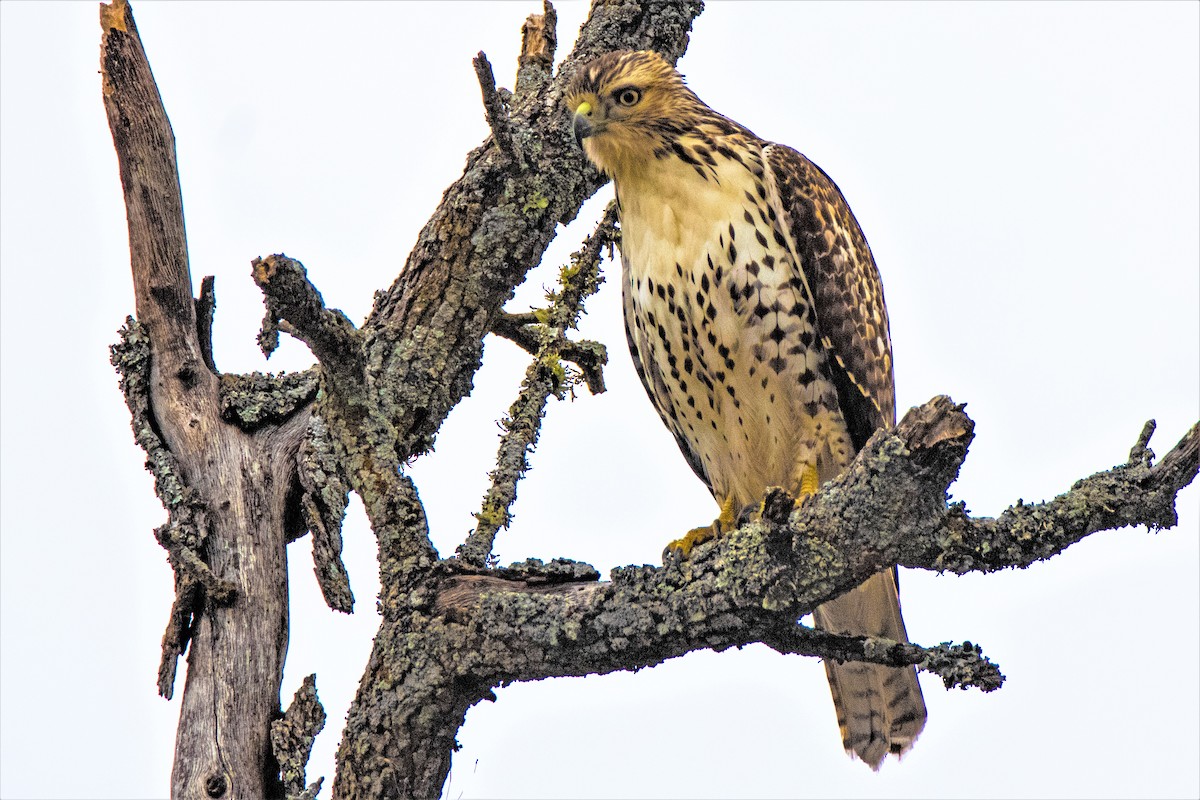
x: 231, y: 502
x: 235, y: 660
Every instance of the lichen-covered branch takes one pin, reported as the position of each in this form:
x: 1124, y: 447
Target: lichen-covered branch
x: 291, y: 296
x: 753, y: 584
x: 961, y: 666
x: 256, y: 400
x: 544, y: 377
x: 292, y: 739
x: 521, y: 427
x: 525, y: 331
x: 184, y: 534
x: 323, y: 505
x: 1130, y: 494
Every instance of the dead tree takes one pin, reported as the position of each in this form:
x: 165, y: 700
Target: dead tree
x: 245, y: 464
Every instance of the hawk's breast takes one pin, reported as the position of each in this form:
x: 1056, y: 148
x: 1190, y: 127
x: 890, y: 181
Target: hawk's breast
x: 722, y: 327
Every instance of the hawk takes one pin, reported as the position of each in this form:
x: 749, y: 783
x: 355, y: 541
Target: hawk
x: 755, y: 316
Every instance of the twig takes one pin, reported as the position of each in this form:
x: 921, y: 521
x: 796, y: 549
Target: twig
x: 206, y: 306
x: 1141, y: 453
x: 581, y: 278
x: 958, y: 665
x: 521, y: 430
x: 497, y: 115
x: 519, y: 329
x: 526, y: 332
x: 178, y: 633
x: 268, y: 332
x: 545, y: 376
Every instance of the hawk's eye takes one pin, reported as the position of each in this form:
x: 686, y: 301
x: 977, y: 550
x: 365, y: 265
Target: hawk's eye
x: 628, y: 97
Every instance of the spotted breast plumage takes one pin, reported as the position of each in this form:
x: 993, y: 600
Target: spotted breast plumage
x: 756, y: 320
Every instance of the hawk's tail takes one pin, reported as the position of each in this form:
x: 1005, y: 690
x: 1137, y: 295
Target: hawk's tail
x: 879, y: 709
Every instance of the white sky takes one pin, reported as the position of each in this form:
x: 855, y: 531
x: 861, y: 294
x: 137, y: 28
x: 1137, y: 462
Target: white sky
x: 1027, y: 175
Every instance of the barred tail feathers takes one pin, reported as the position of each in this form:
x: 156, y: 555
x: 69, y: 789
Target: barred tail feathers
x: 880, y: 710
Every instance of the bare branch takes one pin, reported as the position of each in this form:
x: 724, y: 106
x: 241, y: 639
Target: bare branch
x: 497, y: 114
x: 206, y: 306
x: 158, y: 253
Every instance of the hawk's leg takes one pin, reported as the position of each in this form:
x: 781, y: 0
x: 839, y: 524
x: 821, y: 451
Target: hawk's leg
x: 808, y: 481
x: 722, y: 524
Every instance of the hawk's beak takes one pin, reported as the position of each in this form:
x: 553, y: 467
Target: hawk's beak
x: 581, y: 126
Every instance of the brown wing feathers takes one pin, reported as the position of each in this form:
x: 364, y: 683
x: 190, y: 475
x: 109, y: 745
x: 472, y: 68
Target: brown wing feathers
x: 841, y: 272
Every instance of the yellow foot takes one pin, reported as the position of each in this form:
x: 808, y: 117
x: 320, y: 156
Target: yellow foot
x: 809, y: 481
x: 722, y: 524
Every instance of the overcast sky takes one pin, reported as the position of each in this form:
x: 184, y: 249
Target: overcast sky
x: 1027, y: 175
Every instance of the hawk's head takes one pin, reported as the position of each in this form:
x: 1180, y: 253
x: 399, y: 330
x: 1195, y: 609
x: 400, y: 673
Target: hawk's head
x: 628, y: 106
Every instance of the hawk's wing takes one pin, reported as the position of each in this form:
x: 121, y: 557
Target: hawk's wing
x: 844, y: 284
x: 879, y: 709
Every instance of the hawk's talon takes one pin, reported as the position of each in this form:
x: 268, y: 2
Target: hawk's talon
x: 682, y: 548
x: 722, y: 524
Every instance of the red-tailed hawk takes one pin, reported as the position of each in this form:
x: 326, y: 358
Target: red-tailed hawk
x: 755, y: 316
